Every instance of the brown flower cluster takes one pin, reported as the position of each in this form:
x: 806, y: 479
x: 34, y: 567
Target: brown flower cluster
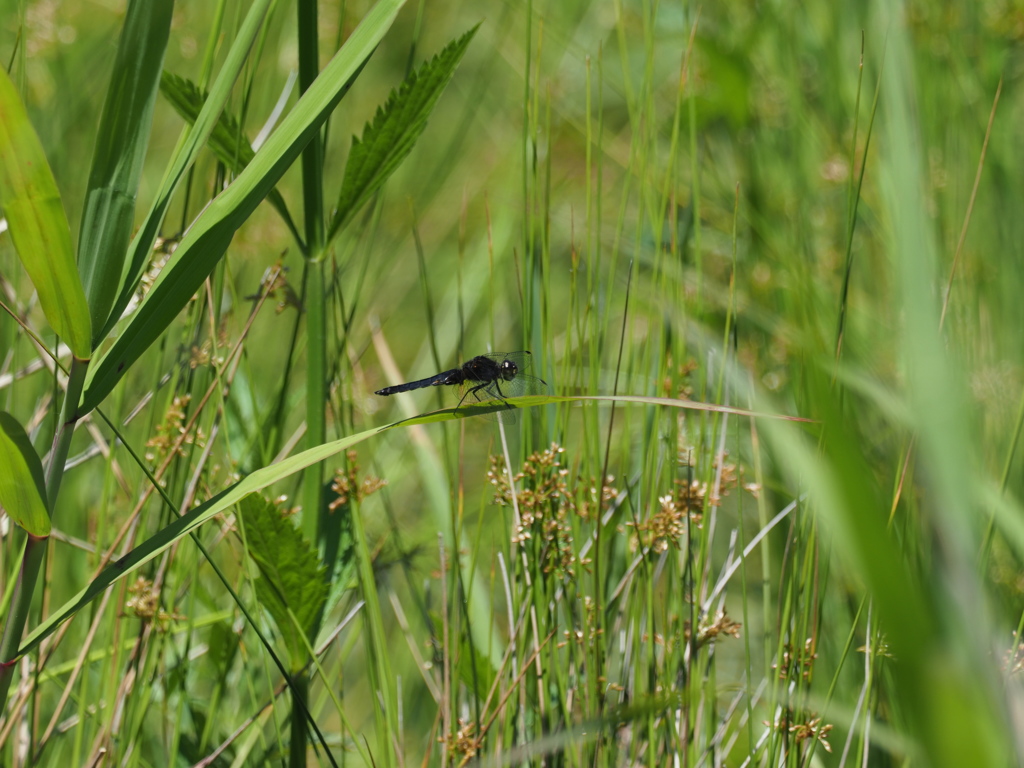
x: 171, y: 430
x: 547, y: 505
x: 588, y: 634
x: 1013, y: 660
x: 348, y: 486
x: 274, y: 283
x: 201, y: 355
x: 797, y: 663
x: 721, y: 625
x: 681, y: 375
x: 666, y: 527
x: 710, y: 630
x: 144, y: 602
x: 463, y: 744
x: 811, y: 729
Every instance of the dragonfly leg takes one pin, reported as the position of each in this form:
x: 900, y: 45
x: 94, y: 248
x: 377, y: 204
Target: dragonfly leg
x: 477, y: 388
x: 469, y: 391
x: 501, y: 395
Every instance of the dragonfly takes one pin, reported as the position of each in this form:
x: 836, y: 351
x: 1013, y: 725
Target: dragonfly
x: 494, y: 377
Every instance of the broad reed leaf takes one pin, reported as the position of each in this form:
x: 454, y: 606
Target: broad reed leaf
x: 38, y: 225
x: 120, y: 150
x: 207, y: 240
x: 22, y: 484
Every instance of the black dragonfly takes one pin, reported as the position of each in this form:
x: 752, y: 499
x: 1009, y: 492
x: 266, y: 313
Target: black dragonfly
x: 486, y: 378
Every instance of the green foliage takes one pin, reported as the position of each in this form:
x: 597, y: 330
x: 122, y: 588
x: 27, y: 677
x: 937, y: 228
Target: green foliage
x: 188, y: 150
x: 674, y: 209
x: 183, y: 526
x: 22, y: 486
x: 291, y: 585
x: 227, y: 141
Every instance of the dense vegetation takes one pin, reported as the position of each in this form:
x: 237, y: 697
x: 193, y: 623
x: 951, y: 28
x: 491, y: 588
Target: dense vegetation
x: 764, y: 253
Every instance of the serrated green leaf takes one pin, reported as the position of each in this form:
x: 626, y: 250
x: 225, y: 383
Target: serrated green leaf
x: 121, y: 143
x: 291, y: 585
x: 228, y: 141
x: 22, y: 484
x: 395, y: 128
x: 38, y: 225
x: 208, y: 238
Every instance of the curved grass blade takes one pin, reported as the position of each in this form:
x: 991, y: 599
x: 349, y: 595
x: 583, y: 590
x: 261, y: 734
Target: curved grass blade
x: 468, y: 410
x: 38, y: 225
x: 208, y: 238
x: 185, y: 525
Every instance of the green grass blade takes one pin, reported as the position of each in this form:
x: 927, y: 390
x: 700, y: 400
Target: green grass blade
x: 205, y: 243
x: 38, y: 225
x: 140, y: 249
x: 394, y: 131
x: 22, y: 483
x: 187, y: 524
x: 468, y: 410
x: 264, y: 477
x: 120, y: 150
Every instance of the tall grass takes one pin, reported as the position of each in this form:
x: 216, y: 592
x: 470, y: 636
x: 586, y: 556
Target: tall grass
x: 672, y: 207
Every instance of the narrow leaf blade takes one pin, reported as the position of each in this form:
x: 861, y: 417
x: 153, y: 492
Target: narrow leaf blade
x: 140, y: 249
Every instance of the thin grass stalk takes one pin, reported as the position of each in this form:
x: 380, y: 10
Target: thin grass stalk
x: 378, y: 667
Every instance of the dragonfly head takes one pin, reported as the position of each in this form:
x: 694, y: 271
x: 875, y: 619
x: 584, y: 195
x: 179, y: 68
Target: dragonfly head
x: 508, y: 370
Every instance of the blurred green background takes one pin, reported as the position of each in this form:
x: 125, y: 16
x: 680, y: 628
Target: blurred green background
x: 685, y: 178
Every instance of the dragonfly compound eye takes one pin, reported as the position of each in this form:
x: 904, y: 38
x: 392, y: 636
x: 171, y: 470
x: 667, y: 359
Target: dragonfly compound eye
x: 509, y: 370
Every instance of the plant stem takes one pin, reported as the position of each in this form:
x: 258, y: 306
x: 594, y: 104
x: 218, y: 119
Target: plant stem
x: 316, y: 342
